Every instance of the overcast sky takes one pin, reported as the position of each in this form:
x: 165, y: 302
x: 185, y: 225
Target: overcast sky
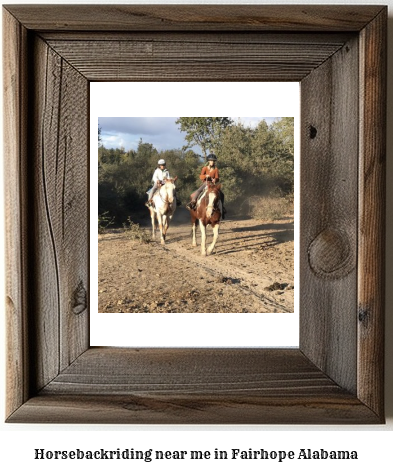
x: 161, y: 132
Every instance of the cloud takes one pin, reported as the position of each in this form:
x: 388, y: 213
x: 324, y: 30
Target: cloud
x: 162, y: 132
x: 253, y: 121
x: 150, y: 126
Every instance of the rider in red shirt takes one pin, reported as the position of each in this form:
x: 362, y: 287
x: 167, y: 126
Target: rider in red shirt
x: 208, y: 173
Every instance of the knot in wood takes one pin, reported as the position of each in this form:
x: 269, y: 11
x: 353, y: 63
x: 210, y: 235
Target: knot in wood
x: 313, y: 132
x: 330, y: 254
x: 80, y: 299
x: 363, y: 316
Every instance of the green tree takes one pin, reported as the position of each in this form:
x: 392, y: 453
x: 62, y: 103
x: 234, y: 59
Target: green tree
x: 123, y: 178
x: 206, y: 132
x: 281, y: 163
x: 257, y: 160
x: 253, y: 161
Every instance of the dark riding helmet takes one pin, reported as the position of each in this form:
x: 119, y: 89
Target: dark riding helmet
x: 212, y: 157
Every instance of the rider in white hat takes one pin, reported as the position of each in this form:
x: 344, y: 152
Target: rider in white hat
x: 159, y: 176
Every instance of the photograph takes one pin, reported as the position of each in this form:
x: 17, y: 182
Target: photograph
x: 196, y: 214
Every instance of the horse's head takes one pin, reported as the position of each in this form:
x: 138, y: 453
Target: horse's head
x: 170, y: 187
x: 213, y: 197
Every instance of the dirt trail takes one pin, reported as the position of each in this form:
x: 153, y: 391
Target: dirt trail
x: 251, y: 271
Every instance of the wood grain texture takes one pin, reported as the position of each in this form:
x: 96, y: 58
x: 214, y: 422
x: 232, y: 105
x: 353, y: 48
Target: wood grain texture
x: 371, y: 277
x: 195, y: 17
x: 193, y: 386
x: 201, y: 37
x: 239, y: 409
x: 185, y: 371
x: 185, y: 59
x: 328, y: 243
x: 60, y: 218
x: 336, y: 375
x: 14, y: 149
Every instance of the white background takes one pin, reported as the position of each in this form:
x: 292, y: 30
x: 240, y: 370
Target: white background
x: 374, y: 443
x: 208, y: 100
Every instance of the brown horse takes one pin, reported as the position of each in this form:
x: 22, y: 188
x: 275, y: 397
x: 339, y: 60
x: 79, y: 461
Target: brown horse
x: 208, y: 211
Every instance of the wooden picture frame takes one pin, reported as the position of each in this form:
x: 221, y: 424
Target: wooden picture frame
x: 338, y: 54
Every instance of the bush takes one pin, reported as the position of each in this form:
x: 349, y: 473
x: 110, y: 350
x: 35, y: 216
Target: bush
x: 271, y: 207
x: 104, y: 221
x: 134, y: 232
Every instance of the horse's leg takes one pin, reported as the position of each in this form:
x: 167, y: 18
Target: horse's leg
x: 203, y: 238
x: 194, y: 224
x: 194, y: 241
x: 164, y: 228
x: 161, y: 225
x: 168, y: 221
x: 159, y: 221
x: 215, y: 237
x: 153, y: 224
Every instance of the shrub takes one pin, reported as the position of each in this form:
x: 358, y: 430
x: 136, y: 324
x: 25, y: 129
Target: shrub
x: 271, y: 207
x: 104, y: 221
x: 134, y: 232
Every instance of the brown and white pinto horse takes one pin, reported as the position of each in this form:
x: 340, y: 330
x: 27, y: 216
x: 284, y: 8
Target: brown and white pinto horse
x: 208, y: 211
x: 164, y: 207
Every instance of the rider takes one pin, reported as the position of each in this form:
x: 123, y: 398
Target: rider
x: 159, y: 176
x: 208, y: 173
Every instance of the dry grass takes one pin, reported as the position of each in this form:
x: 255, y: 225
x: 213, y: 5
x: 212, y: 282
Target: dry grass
x: 133, y: 232
x: 271, y: 207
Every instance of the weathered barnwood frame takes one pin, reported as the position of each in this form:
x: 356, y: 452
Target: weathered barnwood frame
x: 338, y: 54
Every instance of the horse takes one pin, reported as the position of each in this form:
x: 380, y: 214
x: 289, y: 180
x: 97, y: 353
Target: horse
x: 164, y: 207
x: 208, y: 211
